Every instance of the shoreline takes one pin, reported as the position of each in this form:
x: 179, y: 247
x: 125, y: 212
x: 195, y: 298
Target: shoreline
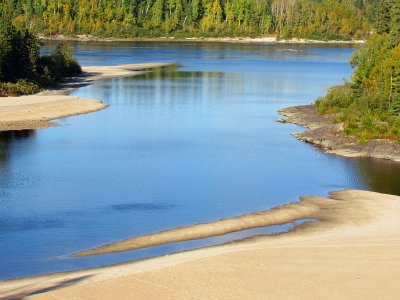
x: 244, y: 40
x: 351, y: 252
x: 329, y: 136
x: 39, y: 110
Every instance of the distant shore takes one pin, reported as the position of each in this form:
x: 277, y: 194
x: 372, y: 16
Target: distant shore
x: 323, y: 132
x: 38, y: 111
x: 244, y: 40
x: 350, y: 251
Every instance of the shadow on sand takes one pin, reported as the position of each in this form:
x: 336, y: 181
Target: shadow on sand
x: 25, y: 291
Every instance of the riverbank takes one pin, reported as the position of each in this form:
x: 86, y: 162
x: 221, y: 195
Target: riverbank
x: 260, y: 40
x: 37, y: 111
x: 351, y: 252
x: 324, y: 133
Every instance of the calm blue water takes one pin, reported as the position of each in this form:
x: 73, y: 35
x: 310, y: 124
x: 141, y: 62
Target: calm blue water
x: 175, y: 147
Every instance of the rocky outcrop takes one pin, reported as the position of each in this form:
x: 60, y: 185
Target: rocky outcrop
x: 330, y: 136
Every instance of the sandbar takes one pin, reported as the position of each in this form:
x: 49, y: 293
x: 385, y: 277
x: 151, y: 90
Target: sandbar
x: 350, y: 251
x: 37, y: 111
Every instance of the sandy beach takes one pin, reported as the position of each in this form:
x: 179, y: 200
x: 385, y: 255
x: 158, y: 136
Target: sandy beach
x: 246, y: 40
x: 36, y: 111
x: 350, y: 251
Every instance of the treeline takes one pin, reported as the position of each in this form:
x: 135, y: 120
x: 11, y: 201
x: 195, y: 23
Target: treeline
x: 22, y: 69
x: 319, y: 19
x: 370, y: 103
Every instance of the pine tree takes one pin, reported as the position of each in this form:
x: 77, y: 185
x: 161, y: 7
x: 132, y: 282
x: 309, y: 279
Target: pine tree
x: 395, y: 82
x: 7, y: 33
x: 395, y: 22
x: 383, y: 17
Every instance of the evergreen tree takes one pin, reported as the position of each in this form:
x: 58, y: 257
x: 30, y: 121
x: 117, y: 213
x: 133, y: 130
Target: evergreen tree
x: 395, y: 22
x: 383, y: 17
x: 6, y: 41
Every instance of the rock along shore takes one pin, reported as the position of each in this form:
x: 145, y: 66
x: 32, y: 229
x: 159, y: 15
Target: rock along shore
x: 324, y: 133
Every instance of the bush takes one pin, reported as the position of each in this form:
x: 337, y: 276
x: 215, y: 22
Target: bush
x: 59, y: 64
x: 338, y: 98
x: 21, y: 87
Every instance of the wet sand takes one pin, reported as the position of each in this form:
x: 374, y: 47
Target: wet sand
x: 351, y: 252
x: 36, y: 111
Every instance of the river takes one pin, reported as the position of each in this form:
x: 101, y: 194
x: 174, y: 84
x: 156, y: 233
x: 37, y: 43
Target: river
x: 177, y: 146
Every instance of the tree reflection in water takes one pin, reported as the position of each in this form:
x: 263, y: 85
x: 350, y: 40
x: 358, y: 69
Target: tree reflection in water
x: 378, y: 175
x: 7, y: 138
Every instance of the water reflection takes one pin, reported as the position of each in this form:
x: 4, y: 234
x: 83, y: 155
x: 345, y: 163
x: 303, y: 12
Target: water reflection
x: 7, y: 138
x: 379, y: 175
x: 168, y: 88
x: 100, y: 53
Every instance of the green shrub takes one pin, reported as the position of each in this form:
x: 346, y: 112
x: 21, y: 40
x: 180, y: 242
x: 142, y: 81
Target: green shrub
x: 21, y: 87
x: 59, y: 64
x: 338, y: 97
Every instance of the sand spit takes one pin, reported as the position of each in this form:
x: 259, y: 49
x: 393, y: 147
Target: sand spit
x: 247, y: 40
x: 323, y: 132
x: 35, y: 111
x: 352, y: 252
x: 278, y: 216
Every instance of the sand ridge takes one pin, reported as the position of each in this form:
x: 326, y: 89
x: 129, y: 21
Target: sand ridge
x: 352, y: 252
x: 278, y: 216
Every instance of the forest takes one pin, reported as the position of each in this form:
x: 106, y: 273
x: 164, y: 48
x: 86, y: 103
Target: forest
x: 315, y: 19
x: 369, y: 104
x: 22, y: 69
